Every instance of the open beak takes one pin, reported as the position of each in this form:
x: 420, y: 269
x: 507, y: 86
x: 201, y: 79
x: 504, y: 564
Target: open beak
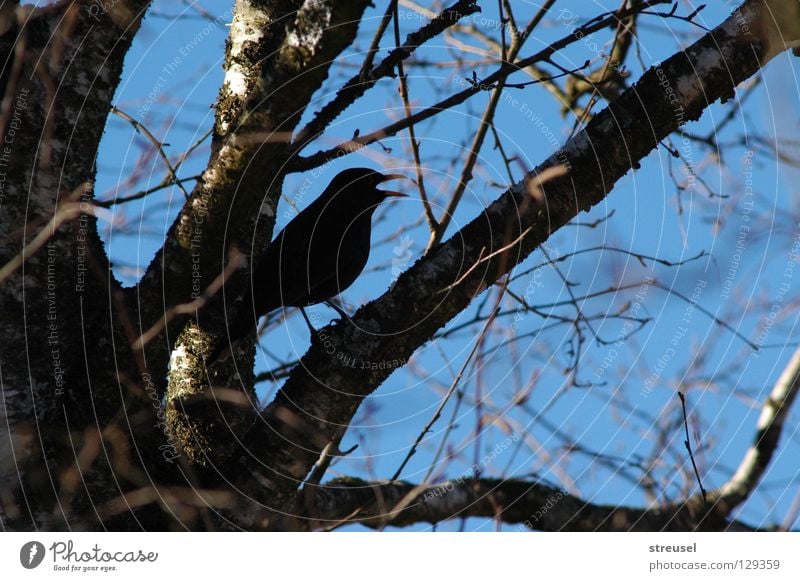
x: 391, y: 193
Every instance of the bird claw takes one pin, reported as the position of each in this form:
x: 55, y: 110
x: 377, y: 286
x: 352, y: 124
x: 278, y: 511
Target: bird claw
x: 316, y: 340
x: 343, y: 316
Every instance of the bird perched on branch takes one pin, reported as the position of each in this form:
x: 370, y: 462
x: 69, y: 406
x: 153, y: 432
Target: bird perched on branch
x: 319, y: 254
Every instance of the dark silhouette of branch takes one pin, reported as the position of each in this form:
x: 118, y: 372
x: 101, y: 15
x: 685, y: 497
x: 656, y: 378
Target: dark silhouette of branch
x: 531, y: 505
x: 487, y: 83
x: 361, y: 83
x: 688, y: 445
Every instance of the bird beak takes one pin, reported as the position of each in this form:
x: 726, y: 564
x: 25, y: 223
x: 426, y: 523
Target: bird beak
x: 390, y: 193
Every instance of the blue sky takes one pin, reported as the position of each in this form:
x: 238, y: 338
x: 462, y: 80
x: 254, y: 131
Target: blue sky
x: 171, y: 79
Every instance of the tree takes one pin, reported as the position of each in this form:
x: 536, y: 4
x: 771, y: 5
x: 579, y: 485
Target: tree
x: 112, y: 420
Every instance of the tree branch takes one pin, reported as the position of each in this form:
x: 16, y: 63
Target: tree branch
x: 270, y: 45
x: 478, y: 85
x: 361, y: 83
x: 532, y: 505
x: 756, y: 460
x: 63, y: 63
x: 279, y: 54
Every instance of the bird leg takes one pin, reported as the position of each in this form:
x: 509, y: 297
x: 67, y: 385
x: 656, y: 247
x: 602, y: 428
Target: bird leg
x: 311, y: 328
x: 338, y: 309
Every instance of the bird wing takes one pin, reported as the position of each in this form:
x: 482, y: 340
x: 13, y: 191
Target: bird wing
x: 291, y: 270
x: 275, y: 279
x: 309, y: 261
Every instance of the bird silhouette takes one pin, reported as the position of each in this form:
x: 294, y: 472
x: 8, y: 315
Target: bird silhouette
x: 318, y: 255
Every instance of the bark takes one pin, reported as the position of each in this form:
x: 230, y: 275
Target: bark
x: 529, y: 505
x: 278, y: 55
x: 61, y: 67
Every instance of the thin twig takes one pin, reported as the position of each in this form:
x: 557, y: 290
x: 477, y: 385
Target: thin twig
x: 376, y: 40
x: 301, y: 163
x: 432, y: 223
x: 359, y: 84
x: 482, y: 259
x: 622, y: 26
x: 456, y: 380
x: 168, y: 181
x: 140, y: 128
x: 485, y: 123
x: 311, y: 486
x: 706, y: 312
x: 235, y: 261
x: 688, y: 444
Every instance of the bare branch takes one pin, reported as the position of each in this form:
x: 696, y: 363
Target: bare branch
x: 532, y: 505
x: 487, y: 83
x: 770, y: 424
x: 359, y: 84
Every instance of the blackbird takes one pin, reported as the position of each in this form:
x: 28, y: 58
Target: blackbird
x: 319, y: 254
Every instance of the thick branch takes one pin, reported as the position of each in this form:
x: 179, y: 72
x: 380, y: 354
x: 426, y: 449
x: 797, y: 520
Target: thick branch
x: 530, y: 505
x: 61, y: 66
x: 279, y: 54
